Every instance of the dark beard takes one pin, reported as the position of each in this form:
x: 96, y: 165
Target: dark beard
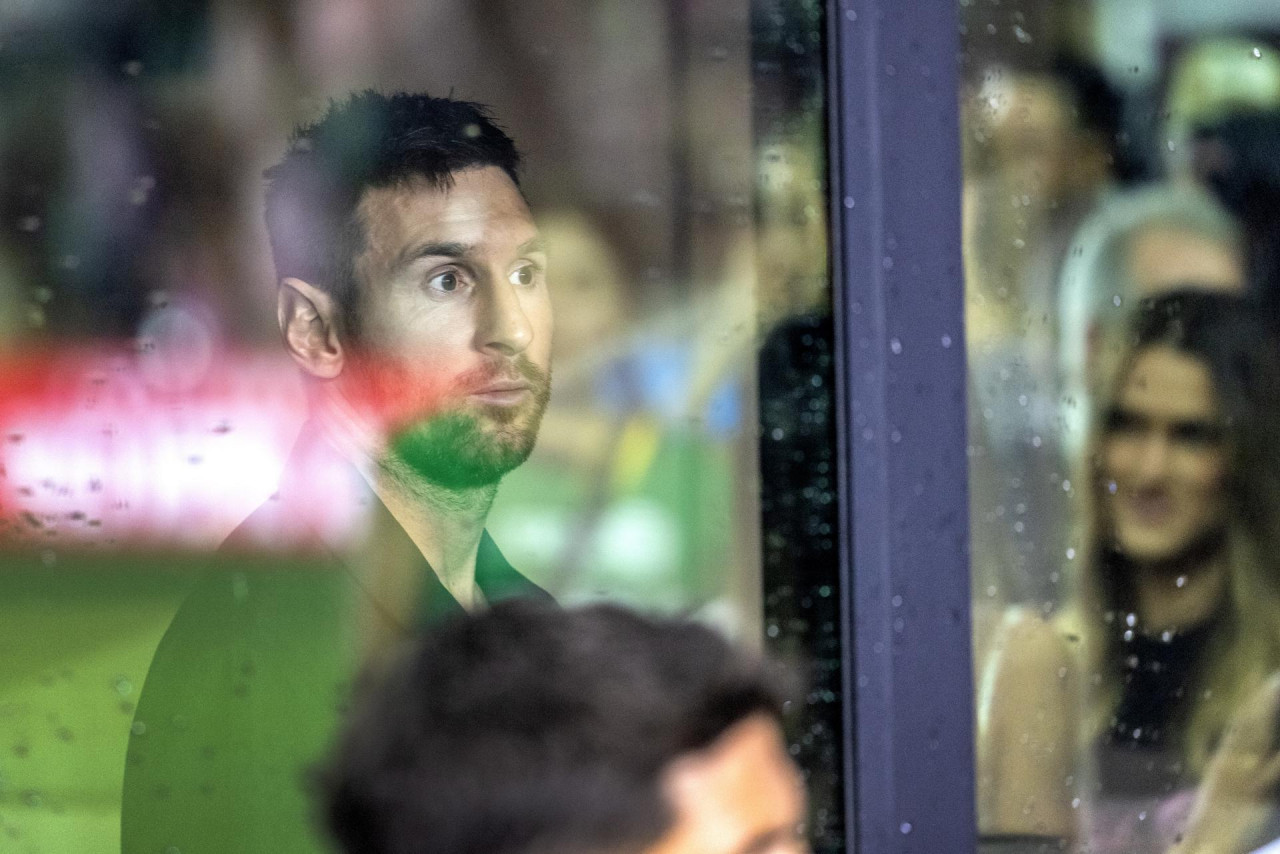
x: 454, y: 449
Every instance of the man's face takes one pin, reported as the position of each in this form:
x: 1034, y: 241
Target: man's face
x: 741, y: 795
x: 454, y: 354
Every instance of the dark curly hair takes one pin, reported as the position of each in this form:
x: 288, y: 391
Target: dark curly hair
x: 533, y: 729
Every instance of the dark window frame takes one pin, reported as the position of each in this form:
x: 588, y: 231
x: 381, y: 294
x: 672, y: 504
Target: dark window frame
x: 899, y: 309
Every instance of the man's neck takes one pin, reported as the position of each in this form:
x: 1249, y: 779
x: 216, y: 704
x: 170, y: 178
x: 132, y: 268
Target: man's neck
x: 445, y: 524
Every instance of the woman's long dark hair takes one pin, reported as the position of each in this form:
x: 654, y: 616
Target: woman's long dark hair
x: 1229, y: 337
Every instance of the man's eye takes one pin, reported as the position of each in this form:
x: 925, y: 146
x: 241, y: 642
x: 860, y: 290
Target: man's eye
x: 446, y: 282
x: 524, y: 275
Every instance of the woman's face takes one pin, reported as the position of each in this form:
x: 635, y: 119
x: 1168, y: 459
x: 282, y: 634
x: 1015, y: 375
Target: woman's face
x: 1164, y: 457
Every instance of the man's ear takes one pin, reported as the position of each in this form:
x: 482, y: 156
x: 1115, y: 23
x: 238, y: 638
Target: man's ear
x: 308, y: 323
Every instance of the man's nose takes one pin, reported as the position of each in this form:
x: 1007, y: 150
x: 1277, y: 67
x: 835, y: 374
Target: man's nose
x: 503, y: 326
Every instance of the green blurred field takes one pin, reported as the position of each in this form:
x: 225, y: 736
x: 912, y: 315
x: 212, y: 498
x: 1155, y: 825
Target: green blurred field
x: 76, y: 637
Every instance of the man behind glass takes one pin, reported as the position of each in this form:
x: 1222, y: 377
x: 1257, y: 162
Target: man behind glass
x: 412, y: 296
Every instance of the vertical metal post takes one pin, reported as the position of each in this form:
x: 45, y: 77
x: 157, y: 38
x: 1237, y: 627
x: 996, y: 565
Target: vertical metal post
x: 900, y: 312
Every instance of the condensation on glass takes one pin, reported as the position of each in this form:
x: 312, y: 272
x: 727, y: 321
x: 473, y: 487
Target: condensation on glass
x: 675, y: 163
x: 1121, y: 166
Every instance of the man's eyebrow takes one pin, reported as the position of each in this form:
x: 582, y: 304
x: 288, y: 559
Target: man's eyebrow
x: 446, y: 249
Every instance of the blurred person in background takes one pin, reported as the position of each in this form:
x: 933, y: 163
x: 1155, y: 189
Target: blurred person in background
x: 1177, y: 613
x: 526, y: 730
x: 1043, y: 147
x: 1212, y: 79
x: 1174, y: 625
x: 1238, y: 160
x: 1137, y: 244
x: 412, y: 295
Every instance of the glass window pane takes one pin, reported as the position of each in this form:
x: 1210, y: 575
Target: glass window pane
x: 1120, y: 167
x: 256, y: 430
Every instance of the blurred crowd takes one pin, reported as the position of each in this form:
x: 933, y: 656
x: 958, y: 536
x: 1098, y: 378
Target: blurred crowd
x: 1123, y: 305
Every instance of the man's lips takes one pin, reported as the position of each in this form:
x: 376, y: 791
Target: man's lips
x: 503, y: 393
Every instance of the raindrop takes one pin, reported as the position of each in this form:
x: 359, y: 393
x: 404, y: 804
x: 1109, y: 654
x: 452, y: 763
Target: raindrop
x: 1111, y: 487
x: 1131, y: 619
x: 946, y: 340
x: 848, y: 201
x: 1117, y: 300
x: 122, y: 685
x: 897, y: 601
x: 1180, y: 581
x: 29, y: 223
x: 1071, y: 554
x: 905, y: 827
x: 133, y: 68
x: 894, y: 344
x: 471, y: 131
x: 138, y: 728
x: 1075, y: 803
x: 1022, y: 35
x: 1257, y: 53
x: 1066, y: 486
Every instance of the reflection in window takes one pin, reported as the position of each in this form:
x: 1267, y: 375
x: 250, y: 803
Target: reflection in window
x: 674, y: 163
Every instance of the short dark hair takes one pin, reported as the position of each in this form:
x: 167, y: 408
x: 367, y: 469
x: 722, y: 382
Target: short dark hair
x: 369, y: 140
x: 529, y: 728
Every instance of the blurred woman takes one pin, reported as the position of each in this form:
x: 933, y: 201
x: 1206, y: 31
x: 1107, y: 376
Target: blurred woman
x: 1177, y: 614
x: 1142, y: 719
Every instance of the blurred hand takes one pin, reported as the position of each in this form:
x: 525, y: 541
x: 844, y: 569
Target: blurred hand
x: 1238, y: 791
